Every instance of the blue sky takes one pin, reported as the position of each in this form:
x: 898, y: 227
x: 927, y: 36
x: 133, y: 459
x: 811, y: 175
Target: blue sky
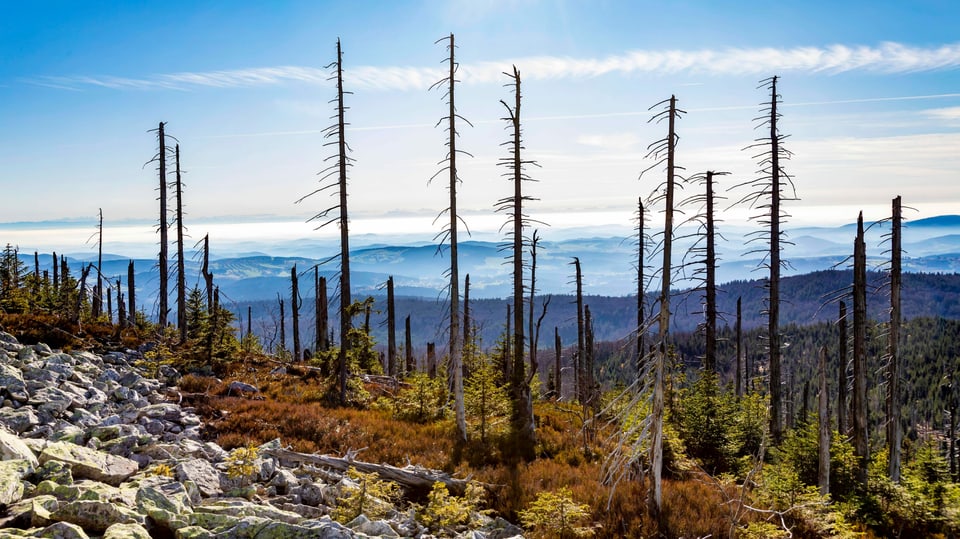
x: 871, y: 93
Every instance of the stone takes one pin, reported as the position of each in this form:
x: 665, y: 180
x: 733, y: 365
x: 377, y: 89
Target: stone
x: 11, y: 379
x: 41, y: 510
x: 89, y: 463
x: 12, y: 448
x: 310, y: 494
x: 62, y: 530
x: 50, y: 400
x: 241, y: 388
x: 11, y: 485
x: 20, y: 420
x: 284, y: 480
x: 202, y: 473
x: 373, y: 528
x: 56, y: 471
x: 240, y: 509
x: 168, y: 511
x: 126, y: 531
x: 96, y: 516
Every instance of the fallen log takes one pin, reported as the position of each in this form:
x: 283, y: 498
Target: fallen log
x: 414, y: 478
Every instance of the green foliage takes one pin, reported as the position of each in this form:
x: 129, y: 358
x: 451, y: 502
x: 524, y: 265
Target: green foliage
x: 422, y: 399
x: 13, y: 298
x: 366, y: 494
x: 486, y: 403
x: 556, y: 514
x: 446, y: 511
x: 241, y: 462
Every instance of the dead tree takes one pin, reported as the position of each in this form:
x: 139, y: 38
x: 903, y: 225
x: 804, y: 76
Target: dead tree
x: 131, y: 294
x: 56, y: 272
x: 592, y: 390
x: 449, y: 233
x: 391, y: 330
x: 408, y: 347
x: 769, y: 190
x: 581, y: 382
x: 181, y: 274
x: 558, y: 369
x: 524, y: 436
x: 322, y: 314
x: 283, y: 327
x: 335, y: 177
x: 641, y: 283
x: 533, y: 328
x: 431, y: 360
x: 842, y: 378
x: 738, y: 385
x: 466, y: 309
x: 205, y: 271
x: 97, y: 304
x: 860, y: 439
x: 295, y: 303
x: 823, y: 409
x: 894, y: 430
x: 162, y: 262
x: 121, y: 311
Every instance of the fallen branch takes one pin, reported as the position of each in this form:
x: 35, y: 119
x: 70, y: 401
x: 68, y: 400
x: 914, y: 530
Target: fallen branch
x: 410, y: 477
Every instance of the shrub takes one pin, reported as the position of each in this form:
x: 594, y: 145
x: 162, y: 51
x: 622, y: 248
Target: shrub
x: 241, y: 462
x: 556, y: 514
x: 445, y: 511
x: 368, y: 496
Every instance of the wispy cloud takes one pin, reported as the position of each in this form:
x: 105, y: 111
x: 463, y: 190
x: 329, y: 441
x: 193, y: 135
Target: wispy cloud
x: 884, y: 59
x: 949, y: 114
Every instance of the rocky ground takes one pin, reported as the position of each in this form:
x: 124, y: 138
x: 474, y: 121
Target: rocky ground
x: 91, y: 447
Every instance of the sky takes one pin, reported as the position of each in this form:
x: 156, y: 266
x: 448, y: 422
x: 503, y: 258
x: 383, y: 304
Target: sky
x: 870, y: 89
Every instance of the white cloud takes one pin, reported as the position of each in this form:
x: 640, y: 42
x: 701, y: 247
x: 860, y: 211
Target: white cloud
x: 885, y: 58
x: 613, y: 141
x: 949, y: 114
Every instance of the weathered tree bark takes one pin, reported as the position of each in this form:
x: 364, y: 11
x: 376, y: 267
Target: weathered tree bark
x: 641, y: 311
x: 466, y: 310
x: 592, y: 390
x: 295, y: 312
x: 773, y: 318
x: 738, y: 385
x: 507, y: 350
x: 581, y: 335
x: 98, y: 289
x: 121, y: 312
x: 131, y: 294
x: 558, y: 369
x: 391, y: 330
x: 82, y: 294
x: 408, y: 347
x: 411, y: 477
x: 181, y: 273
x: 283, y: 324
x: 431, y: 360
x: 162, y: 263
x: 842, y: 379
x: 894, y: 432
x: 823, y: 475
x: 323, y: 323
x: 860, y: 438
x: 56, y: 272
x: 710, y: 330
x: 345, y: 300
x: 205, y: 271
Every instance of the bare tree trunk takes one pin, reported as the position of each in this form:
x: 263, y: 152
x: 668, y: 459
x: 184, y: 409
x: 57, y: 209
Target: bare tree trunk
x: 131, y: 294
x: 181, y: 274
x: 205, y: 271
x: 249, y: 325
x: 656, y: 442
x: 323, y: 324
x: 581, y: 335
x: 641, y: 311
x: 82, y: 294
x: 823, y: 476
x: 121, y: 312
x: 842, y: 378
x: 591, y: 402
x: 860, y: 438
x: 295, y: 312
x: 466, y: 310
x: 283, y: 324
x: 558, y: 369
x: 894, y: 434
x: 710, y: 358
x: 56, y: 272
x: 391, y: 330
x: 408, y: 347
x: 738, y: 385
x: 98, y: 290
x: 431, y: 360
x: 162, y: 263
x: 345, y: 300
x: 773, y: 319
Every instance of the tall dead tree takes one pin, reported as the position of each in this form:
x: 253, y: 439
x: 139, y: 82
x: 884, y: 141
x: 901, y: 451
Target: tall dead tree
x: 738, y: 329
x: 181, y: 274
x: 894, y: 429
x: 162, y: 262
x: 533, y: 327
x: 466, y: 309
x: 524, y: 436
x: 641, y: 284
x: 322, y: 313
x: 581, y: 382
x: 97, y: 304
x: 769, y: 191
x: 391, y: 330
x: 861, y: 445
x: 56, y: 272
x: 449, y: 234
x: 558, y: 369
x: 295, y: 303
x: 592, y: 389
x: 131, y: 293
x: 842, y: 378
x: 205, y: 272
x: 408, y: 347
x: 823, y: 409
x: 121, y: 311
x: 283, y: 324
